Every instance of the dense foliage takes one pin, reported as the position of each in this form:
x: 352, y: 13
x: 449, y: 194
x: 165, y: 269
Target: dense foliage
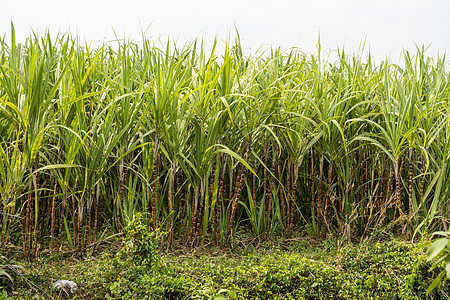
x: 206, y: 144
x: 300, y: 270
x: 376, y: 271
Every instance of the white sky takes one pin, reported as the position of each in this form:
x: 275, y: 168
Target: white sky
x: 388, y: 25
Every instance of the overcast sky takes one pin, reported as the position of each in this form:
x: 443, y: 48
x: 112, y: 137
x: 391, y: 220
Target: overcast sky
x: 387, y: 25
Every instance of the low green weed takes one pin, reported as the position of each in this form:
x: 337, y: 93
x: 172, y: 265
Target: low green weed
x: 387, y: 270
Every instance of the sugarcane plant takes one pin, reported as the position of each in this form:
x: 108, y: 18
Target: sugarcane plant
x: 206, y: 145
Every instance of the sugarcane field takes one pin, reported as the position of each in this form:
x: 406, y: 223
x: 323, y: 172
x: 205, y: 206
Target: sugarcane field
x: 161, y: 170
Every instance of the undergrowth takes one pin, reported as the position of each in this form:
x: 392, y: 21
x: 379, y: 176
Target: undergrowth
x: 300, y: 269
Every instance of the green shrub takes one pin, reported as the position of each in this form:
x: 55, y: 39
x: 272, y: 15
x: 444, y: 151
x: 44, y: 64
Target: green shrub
x: 136, y: 271
x: 141, y: 244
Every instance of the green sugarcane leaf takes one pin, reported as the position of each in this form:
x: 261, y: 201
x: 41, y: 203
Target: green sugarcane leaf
x: 57, y: 166
x: 442, y: 233
x: 226, y: 150
x: 436, y: 282
x: 447, y: 268
x: 436, y: 248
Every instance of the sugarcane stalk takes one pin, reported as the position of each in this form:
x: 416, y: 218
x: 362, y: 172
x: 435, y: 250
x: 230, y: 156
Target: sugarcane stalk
x: 47, y: 210
x: 319, y: 197
x: 389, y: 188
x: 383, y: 188
x: 365, y: 198
x: 311, y: 185
x: 80, y: 224
x: 220, y: 196
x: 410, y: 181
x: 27, y: 221
x: 210, y: 195
x: 194, y: 212
x: 422, y: 183
x: 74, y: 221
x: 232, y: 186
x: 180, y: 199
x: 410, y: 189
x: 270, y: 190
x: 200, y: 212
x: 235, y: 199
x: 97, y: 199
x: 185, y: 224
x: 172, y: 176
x: 34, y: 212
x: 293, y: 194
x: 119, y: 203
x: 53, y: 218
x: 254, y: 191
x: 27, y: 230
x: 398, y: 191
x: 61, y: 218
x: 88, y: 219
x: 155, y: 180
x: 328, y: 198
x: 9, y: 225
x: 281, y: 194
x: 149, y: 204
x: 288, y: 196
x: 4, y: 220
x: 240, y: 184
x: 265, y: 187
